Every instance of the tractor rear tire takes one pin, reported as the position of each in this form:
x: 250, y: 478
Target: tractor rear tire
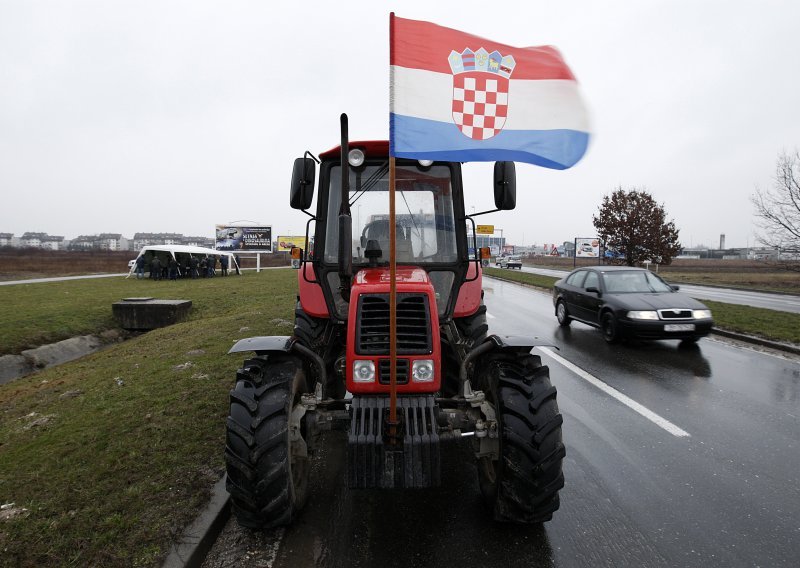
x: 523, y: 485
x: 473, y: 328
x: 308, y: 329
x: 266, y: 480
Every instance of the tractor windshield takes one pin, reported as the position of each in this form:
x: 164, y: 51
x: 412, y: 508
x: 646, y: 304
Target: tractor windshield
x: 424, y: 219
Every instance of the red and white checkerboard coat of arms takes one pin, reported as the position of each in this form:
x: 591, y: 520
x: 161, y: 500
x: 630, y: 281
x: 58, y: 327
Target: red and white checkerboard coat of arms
x: 480, y: 104
x: 480, y: 92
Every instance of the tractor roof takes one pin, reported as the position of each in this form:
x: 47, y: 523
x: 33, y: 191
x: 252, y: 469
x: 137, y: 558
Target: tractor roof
x: 371, y: 148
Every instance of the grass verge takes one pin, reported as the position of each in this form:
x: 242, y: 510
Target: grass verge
x: 768, y: 324
x: 108, y: 458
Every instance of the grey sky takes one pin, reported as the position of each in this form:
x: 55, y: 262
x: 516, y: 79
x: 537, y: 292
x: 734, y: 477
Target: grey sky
x: 173, y: 116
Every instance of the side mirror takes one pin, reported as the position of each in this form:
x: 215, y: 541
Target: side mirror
x: 505, y: 186
x: 302, y: 190
x: 674, y: 287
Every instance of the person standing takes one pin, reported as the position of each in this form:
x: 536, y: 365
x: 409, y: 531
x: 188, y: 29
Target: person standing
x: 173, y: 268
x: 140, y: 267
x: 193, y: 264
x: 223, y: 264
x: 155, y: 268
x: 212, y: 266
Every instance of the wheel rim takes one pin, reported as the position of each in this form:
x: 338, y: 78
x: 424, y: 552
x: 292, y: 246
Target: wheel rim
x: 561, y: 312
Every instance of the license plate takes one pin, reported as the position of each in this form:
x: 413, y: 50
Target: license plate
x: 679, y: 327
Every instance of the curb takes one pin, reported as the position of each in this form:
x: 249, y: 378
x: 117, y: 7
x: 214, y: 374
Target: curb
x: 757, y: 340
x: 191, y: 548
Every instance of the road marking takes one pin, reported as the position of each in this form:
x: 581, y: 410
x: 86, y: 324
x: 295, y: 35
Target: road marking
x: 611, y: 391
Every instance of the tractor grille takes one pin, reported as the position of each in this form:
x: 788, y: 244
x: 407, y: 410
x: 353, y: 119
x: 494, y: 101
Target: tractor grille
x: 675, y: 314
x: 385, y: 370
x: 413, y: 324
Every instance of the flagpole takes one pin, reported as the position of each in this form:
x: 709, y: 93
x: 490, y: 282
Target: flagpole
x: 392, y: 307
x: 392, y: 260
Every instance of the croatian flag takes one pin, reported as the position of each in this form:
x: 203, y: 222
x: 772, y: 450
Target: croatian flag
x: 461, y: 98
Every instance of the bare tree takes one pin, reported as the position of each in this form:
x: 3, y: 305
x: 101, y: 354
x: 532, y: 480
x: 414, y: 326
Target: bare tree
x: 632, y: 224
x: 778, y: 209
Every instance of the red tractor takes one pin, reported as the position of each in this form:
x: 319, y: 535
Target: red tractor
x: 451, y: 381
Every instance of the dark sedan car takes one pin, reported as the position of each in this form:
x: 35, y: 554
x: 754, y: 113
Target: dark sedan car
x: 629, y: 302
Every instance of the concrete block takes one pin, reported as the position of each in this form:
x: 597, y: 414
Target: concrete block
x: 149, y: 313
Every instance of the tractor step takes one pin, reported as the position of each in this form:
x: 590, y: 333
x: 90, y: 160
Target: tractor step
x: 409, y: 459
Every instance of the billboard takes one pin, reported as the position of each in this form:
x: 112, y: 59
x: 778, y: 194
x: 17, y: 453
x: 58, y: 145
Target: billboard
x: 286, y: 243
x: 587, y: 247
x: 245, y: 239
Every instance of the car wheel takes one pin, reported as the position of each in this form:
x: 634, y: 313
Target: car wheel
x: 609, y: 326
x: 561, y: 314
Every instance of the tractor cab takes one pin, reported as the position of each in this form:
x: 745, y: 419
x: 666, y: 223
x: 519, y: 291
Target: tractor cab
x: 430, y: 226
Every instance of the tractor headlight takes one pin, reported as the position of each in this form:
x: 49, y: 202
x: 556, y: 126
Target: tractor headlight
x: 643, y: 315
x: 422, y: 371
x: 701, y: 314
x: 355, y: 157
x: 363, y: 371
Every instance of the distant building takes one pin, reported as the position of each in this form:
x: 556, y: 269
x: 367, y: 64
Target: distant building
x: 111, y: 241
x: 206, y: 242
x: 145, y: 239
x: 83, y: 242
x: 33, y: 240
x: 52, y: 242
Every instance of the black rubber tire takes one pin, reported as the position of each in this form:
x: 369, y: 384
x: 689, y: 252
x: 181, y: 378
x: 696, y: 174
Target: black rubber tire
x: 608, y: 325
x: 562, y: 315
x: 473, y: 328
x: 308, y: 329
x: 267, y: 484
x: 523, y: 485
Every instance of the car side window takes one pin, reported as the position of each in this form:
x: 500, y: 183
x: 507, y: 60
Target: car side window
x: 591, y: 280
x: 576, y: 278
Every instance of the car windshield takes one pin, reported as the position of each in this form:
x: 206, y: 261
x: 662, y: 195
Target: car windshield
x: 633, y: 281
x: 424, y: 218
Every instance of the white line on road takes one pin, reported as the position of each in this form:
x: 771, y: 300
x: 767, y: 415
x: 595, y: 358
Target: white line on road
x: 611, y: 391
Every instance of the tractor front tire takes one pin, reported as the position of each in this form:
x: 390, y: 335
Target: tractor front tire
x: 523, y: 485
x: 266, y: 479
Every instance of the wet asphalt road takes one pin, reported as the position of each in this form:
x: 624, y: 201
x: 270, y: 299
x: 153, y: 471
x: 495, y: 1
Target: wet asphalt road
x: 675, y: 457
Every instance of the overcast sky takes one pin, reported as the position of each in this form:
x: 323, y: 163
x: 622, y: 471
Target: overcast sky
x: 170, y: 116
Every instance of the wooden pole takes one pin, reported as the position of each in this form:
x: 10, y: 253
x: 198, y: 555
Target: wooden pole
x: 392, y: 306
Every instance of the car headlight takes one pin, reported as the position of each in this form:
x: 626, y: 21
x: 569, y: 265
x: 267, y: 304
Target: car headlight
x: 422, y: 371
x: 363, y: 371
x: 701, y: 314
x: 643, y: 315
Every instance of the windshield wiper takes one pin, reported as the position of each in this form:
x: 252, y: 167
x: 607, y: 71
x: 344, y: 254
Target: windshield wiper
x: 371, y: 181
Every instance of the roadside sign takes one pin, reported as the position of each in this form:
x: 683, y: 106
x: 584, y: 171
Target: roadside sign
x: 484, y: 229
